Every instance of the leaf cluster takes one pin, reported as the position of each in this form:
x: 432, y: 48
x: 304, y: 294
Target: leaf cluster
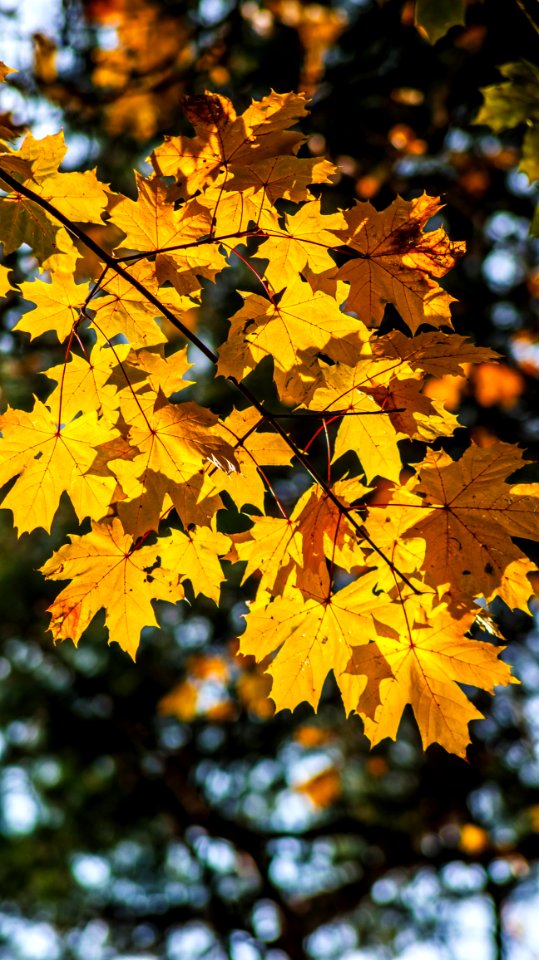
x: 384, y: 565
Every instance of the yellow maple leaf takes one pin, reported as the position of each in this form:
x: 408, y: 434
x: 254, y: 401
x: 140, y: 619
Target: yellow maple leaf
x: 224, y: 139
x: 45, y: 154
x: 411, y: 412
x: 49, y: 459
x: 436, y: 353
x: 174, y: 443
x: 273, y: 547
x: 311, y: 637
x: 300, y: 322
x: 23, y: 221
x: 395, y: 261
x: 365, y: 427
x: 105, y: 572
x: 79, y: 196
x: 149, y: 222
x: 57, y: 306
x: 326, y: 535
x: 165, y: 374
x: 428, y: 655
x: 253, y: 450
x: 286, y: 178
x: 196, y: 256
x: 471, y: 513
x: 175, y: 438
x: 308, y: 238
x: 194, y: 555
x: 82, y: 385
x: 123, y: 310
x: 387, y: 529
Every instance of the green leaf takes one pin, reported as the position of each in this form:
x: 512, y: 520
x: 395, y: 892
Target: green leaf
x: 22, y: 221
x: 516, y: 101
x: 436, y: 17
x: 529, y: 163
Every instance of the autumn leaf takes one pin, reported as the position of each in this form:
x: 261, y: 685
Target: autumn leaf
x: 57, y: 306
x: 273, y: 547
x: 365, y: 428
x: 224, y: 139
x: 105, y: 572
x: 436, y: 353
x: 471, y: 512
x: 301, y: 321
x: 194, y: 555
x: 80, y: 196
x: 82, y: 384
x: 150, y: 221
x: 49, y: 459
x: 308, y: 239
x: 254, y: 449
x: 394, y: 260
x: 24, y: 221
x: 123, y: 310
x: 309, y: 638
x: 429, y: 656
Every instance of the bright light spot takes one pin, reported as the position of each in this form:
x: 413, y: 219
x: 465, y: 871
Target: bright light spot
x: 20, y: 805
x: 266, y: 921
x: 36, y: 942
x: 194, y: 940
x: 503, y: 269
x: 90, y: 871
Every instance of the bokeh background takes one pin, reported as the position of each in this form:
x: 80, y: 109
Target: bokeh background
x: 159, y: 810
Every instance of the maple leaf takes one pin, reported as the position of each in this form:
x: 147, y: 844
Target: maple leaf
x: 79, y: 196
x: 469, y: 510
x: 272, y: 546
x: 301, y: 321
x: 436, y: 353
x: 149, y: 222
x: 395, y: 261
x: 388, y: 529
x: 326, y: 534
x: 164, y: 374
x: 309, y: 237
x: 82, y: 385
x: 57, y: 306
x: 194, y: 555
x: 282, y: 178
x: 253, y: 449
x: 123, y: 310
x: 223, y: 138
x: 311, y: 637
x: 106, y: 573
x: 24, y: 221
x: 49, y: 459
x: 428, y: 656
x: 44, y: 154
x: 173, y: 441
x: 365, y: 428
